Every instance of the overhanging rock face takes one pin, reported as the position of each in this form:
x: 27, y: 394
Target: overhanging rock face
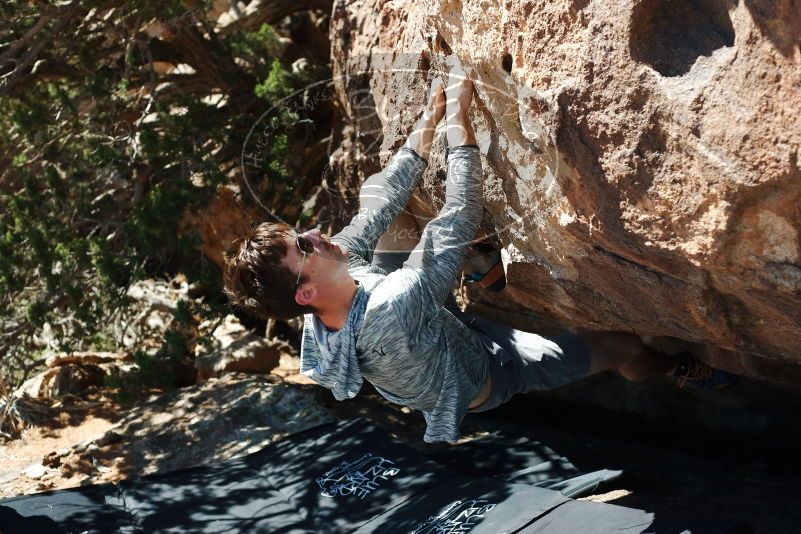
x: 642, y: 159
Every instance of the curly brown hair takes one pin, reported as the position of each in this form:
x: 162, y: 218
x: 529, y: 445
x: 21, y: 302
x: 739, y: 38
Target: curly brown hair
x: 256, y: 281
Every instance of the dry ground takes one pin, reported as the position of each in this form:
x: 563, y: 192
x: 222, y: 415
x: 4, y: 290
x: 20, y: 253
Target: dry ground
x: 227, y: 417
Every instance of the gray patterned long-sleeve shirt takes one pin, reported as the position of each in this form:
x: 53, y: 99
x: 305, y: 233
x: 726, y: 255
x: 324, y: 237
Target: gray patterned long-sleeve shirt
x: 398, y: 334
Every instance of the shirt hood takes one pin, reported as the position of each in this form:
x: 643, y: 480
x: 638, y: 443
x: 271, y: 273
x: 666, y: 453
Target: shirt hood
x: 333, y: 363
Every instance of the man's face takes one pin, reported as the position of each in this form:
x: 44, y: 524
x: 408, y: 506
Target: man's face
x: 328, y: 262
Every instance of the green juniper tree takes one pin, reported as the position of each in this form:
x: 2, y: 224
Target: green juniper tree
x: 115, y: 119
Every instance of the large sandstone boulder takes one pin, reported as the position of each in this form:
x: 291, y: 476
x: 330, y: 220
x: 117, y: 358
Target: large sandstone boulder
x: 642, y: 159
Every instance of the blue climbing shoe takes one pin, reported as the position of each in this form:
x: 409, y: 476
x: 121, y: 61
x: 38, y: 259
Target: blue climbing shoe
x: 484, y: 267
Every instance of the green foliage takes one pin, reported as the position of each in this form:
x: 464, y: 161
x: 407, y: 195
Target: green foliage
x: 148, y: 374
x: 103, y: 154
x: 165, y: 366
x: 257, y: 46
x: 276, y: 85
x: 146, y: 366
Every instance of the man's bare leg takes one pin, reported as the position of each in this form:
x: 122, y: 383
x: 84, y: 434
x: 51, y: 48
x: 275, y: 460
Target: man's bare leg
x: 627, y: 355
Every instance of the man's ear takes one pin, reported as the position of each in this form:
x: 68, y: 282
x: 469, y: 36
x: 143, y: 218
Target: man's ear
x: 305, y: 294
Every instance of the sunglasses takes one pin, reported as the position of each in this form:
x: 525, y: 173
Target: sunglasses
x: 305, y: 246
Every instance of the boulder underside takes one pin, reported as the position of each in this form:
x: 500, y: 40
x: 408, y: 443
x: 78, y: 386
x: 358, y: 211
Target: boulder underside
x: 642, y: 162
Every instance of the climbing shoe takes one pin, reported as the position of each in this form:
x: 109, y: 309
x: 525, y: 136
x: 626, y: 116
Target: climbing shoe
x: 693, y: 371
x: 483, y: 266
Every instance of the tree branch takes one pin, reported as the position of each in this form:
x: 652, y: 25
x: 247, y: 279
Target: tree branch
x: 261, y: 12
x: 11, y: 80
x: 25, y: 39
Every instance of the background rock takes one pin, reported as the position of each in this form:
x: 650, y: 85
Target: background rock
x: 85, y: 357
x: 219, y: 223
x: 207, y: 423
x: 198, y: 425
x: 61, y: 380
x: 237, y: 349
x: 642, y: 159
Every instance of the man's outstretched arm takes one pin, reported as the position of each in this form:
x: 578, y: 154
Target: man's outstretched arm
x: 438, y: 256
x: 384, y: 195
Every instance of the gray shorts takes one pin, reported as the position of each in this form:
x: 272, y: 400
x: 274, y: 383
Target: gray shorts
x: 519, y: 361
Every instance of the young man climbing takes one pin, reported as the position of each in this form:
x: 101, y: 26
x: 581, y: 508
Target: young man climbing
x: 400, y: 330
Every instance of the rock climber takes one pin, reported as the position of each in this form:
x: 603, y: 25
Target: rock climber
x: 370, y: 318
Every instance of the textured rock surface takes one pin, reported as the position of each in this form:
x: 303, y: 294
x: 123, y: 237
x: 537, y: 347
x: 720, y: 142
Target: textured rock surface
x: 235, y: 349
x: 197, y: 425
x: 642, y: 159
x: 220, y: 223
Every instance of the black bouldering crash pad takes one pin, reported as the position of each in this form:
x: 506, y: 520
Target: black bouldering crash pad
x: 352, y: 477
